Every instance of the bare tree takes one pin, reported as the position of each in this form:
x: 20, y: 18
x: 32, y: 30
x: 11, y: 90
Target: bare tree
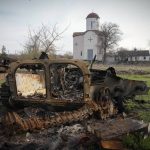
x: 122, y: 54
x: 42, y: 40
x: 3, y: 51
x: 112, y: 35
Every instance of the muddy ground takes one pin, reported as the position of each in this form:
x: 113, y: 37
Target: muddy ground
x: 66, y: 137
x: 71, y: 137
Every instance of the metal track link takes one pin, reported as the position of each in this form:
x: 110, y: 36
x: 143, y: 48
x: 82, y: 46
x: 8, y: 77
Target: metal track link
x: 16, y: 123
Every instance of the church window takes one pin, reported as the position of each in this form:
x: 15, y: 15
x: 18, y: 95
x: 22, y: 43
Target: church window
x: 91, y: 24
x: 81, y: 53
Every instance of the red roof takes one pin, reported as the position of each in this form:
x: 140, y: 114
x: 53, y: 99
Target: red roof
x: 92, y: 15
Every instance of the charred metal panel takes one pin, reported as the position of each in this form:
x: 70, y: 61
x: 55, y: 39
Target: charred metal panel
x: 28, y: 84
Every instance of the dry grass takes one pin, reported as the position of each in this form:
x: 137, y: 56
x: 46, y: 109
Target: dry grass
x: 124, y: 67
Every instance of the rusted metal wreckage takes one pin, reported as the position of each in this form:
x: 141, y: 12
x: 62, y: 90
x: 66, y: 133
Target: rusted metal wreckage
x: 73, y: 91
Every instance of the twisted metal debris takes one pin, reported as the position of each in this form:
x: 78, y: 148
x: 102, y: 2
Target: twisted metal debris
x: 16, y: 123
x: 67, y: 86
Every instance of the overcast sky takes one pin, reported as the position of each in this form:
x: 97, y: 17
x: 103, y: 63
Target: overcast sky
x: 17, y: 16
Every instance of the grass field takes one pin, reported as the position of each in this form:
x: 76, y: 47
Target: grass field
x: 142, y: 109
x: 145, y: 68
x: 134, y: 72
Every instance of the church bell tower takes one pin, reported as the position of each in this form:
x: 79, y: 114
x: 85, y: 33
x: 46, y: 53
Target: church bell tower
x: 92, y: 22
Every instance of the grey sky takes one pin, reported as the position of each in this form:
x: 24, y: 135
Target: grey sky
x: 16, y: 16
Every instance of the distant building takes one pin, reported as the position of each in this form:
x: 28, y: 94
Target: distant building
x: 133, y: 56
x: 110, y: 58
x: 89, y: 43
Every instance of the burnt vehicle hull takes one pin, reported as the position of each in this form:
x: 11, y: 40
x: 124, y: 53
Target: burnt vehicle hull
x: 110, y: 79
x: 66, y: 86
x: 19, y: 83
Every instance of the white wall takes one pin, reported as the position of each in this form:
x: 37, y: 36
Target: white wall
x: 83, y: 44
x: 139, y: 58
x: 110, y: 59
x: 77, y: 49
x: 88, y: 44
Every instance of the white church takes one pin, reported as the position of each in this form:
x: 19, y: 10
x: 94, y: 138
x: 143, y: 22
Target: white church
x: 89, y: 43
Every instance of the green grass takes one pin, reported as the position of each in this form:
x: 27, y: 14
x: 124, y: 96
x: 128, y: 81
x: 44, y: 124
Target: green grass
x: 144, y: 115
x: 142, y: 109
x: 145, y: 78
x: 2, y: 81
x: 137, y: 77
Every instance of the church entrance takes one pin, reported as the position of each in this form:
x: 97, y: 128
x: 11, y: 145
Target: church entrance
x: 90, y: 54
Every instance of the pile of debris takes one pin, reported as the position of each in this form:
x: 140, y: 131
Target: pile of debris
x: 64, y: 97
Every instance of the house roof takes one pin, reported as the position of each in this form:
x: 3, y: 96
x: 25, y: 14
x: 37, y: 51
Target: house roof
x: 134, y: 53
x: 92, y: 15
x: 78, y: 34
x: 82, y: 33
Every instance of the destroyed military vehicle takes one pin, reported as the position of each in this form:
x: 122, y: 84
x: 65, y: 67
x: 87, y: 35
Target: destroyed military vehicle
x: 67, y: 86
x: 45, y: 82
x: 63, y: 83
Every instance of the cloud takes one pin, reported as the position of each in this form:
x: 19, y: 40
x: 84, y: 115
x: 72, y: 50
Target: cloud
x: 17, y: 15
x: 6, y: 13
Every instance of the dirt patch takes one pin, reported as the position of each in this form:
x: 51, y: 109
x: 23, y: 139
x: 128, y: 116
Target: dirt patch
x: 72, y: 137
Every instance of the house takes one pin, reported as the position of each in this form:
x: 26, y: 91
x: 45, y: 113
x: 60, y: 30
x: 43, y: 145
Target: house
x: 110, y: 58
x: 133, y: 56
x: 89, y: 43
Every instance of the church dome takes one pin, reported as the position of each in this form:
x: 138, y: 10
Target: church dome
x: 92, y: 15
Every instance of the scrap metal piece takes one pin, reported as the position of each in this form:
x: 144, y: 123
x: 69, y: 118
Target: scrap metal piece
x: 34, y: 122
x: 114, y: 128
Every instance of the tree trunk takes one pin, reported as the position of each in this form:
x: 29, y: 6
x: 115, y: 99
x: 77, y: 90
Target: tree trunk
x: 104, y: 56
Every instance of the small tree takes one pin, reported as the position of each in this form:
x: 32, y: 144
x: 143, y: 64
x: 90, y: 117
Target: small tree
x: 3, y: 51
x: 112, y: 35
x: 122, y: 54
x: 42, y: 40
